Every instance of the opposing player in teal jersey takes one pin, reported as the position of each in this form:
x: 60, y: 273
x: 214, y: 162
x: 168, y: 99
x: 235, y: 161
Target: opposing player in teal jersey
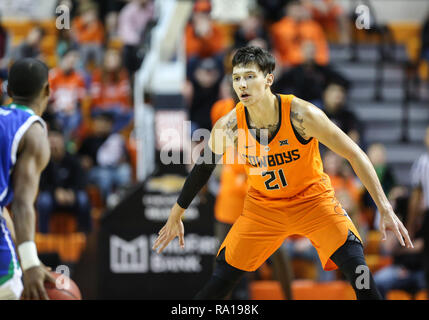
x: 24, y: 153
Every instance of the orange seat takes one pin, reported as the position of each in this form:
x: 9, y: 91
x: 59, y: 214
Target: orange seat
x: 63, y: 223
x: 266, y: 290
x: 68, y: 246
x: 48, y: 44
x: 376, y: 262
x: 373, y: 241
x: 421, y: 295
x: 408, y: 33
x: 17, y: 27
x: 423, y: 70
x: 21, y: 28
x: 49, y: 26
x: 304, y: 269
x: 115, y: 43
x: 302, y: 290
x: 398, y: 295
x: 265, y: 272
x: 334, y: 290
x: 51, y: 60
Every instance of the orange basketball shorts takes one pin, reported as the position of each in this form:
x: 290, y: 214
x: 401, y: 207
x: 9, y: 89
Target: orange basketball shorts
x: 263, y: 226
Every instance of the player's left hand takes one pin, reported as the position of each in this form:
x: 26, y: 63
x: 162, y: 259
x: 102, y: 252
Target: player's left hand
x: 389, y: 221
x: 172, y: 229
x: 34, y: 279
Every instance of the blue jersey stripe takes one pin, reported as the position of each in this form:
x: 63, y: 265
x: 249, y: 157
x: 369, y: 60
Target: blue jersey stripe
x: 14, y: 122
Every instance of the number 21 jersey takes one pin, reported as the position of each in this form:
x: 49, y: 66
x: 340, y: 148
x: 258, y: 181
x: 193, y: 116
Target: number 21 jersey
x: 284, y: 165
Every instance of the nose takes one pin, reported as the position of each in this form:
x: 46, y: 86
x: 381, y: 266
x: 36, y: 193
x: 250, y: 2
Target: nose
x: 243, y: 84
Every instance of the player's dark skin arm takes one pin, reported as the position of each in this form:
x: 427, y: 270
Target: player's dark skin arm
x: 33, y: 156
x: 310, y: 121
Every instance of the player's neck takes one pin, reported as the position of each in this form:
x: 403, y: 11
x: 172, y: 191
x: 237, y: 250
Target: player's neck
x: 265, y: 113
x: 32, y: 105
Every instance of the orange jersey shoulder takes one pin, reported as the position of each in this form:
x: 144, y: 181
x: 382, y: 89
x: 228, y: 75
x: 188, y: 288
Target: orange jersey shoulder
x: 283, y: 166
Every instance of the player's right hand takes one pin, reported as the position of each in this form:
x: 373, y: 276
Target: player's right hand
x: 34, y: 287
x: 172, y: 229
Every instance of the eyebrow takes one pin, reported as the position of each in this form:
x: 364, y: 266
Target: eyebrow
x: 234, y: 74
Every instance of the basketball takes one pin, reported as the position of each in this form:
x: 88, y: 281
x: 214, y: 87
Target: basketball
x: 70, y: 290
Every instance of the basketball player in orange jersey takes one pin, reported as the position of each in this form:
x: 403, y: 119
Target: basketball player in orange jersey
x: 230, y: 200
x: 289, y: 192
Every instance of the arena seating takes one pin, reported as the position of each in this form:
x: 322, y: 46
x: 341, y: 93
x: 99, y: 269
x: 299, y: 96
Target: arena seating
x: 302, y: 290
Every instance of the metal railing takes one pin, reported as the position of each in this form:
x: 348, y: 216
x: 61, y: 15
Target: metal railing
x: 164, y: 44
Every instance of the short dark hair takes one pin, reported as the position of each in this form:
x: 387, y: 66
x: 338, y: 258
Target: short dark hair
x: 251, y: 54
x: 27, y: 77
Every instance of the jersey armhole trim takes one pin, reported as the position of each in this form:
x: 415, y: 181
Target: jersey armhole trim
x: 297, y: 135
x: 20, y: 133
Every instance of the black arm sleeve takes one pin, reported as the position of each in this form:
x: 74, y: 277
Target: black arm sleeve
x: 198, y: 177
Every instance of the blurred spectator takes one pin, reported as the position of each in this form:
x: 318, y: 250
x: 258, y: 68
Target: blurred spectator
x: 298, y: 247
x: 111, y: 90
x: 71, y: 4
x: 425, y: 39
x: 261, y: 43
x: 67, y: 91
x: 309, y: 79
x: 292, y: 31
x: 4, y: 45
x: 62, y: 186
x: 111, y: 26
x: 344, y: 183
x: 250, y: 29
x: 104, y: 155
x: 66, y: 41
x: 376, y: 28
x: 273, y: 10
x: 418, y: 213
x: 203, y: 38
x: 132, y: 23
x: 203, y: 91
x: 30, y: 47
x: 89, y: 33
x: 334, y: 105
x: 331, y: 16
x: 377, y: 155
x: 226, y: 90
x: 233, y: 185
x: 233, y: 189
x: 107, y: 8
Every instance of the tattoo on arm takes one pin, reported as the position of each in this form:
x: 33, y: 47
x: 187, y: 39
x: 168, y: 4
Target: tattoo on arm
x: 297, y: 122
x: 231, y: 130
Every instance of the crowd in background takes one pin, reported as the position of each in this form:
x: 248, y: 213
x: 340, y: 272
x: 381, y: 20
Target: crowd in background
x: 298, y: 33
x: 90, y: 114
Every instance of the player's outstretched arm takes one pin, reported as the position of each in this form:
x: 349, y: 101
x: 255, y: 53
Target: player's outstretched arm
x: 310, y: 121
x: 221, y: 136
x: 33, y: 156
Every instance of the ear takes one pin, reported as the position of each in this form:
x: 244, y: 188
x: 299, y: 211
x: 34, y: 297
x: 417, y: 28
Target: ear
x: 46, y: 90
x: 269, y: 79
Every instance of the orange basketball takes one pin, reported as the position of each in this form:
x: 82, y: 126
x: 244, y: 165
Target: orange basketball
x: 66, y: 289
